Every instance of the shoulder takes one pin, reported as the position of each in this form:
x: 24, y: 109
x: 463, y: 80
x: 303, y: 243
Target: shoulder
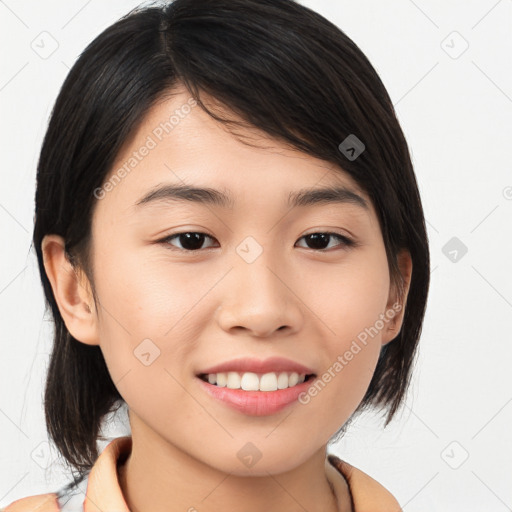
x: 68, y: 498
x: 368, y: 495
x: 37, y: 503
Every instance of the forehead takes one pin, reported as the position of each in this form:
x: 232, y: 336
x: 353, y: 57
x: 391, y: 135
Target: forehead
x: 179, y: 153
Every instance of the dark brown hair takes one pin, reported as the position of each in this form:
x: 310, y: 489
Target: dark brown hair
x: 278, y: 66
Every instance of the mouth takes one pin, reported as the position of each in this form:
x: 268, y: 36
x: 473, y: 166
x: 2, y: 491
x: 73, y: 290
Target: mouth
x: 250, y: 381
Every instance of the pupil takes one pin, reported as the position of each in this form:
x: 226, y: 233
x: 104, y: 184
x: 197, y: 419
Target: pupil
x: 316, y: 237
x: 191, y: 241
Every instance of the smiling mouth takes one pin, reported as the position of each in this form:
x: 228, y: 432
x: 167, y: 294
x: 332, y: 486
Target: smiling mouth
x: 249, y: 381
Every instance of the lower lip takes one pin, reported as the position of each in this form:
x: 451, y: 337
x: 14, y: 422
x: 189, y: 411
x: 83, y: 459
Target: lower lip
x: 256, y: 403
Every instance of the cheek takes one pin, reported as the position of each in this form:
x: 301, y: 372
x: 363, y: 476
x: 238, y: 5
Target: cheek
x: 145, y: 327
x: 352, y: 302
x: 146, y: 294
x: 350, y: 296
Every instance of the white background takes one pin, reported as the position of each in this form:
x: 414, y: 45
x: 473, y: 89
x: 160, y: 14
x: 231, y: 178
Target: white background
x: 456, y: 112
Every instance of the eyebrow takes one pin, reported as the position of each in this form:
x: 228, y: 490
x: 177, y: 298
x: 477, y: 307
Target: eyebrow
x: 205, y: 195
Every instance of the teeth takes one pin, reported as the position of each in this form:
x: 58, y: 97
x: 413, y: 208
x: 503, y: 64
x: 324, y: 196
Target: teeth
x: 249, y: 381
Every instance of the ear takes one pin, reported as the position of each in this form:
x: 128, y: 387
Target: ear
x: 395, y: 308
x: 71, y: 291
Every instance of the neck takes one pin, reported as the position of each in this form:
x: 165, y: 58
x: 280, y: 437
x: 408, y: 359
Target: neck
x: 165, y: 479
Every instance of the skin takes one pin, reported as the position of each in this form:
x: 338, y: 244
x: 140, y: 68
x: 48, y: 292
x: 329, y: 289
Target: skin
x: 292, y: 301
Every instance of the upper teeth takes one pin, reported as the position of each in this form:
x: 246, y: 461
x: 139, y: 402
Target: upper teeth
x: 249, y: 381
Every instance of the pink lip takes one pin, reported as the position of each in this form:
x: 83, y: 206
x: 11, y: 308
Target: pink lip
x: 273, y: 364
x: 256, y: 403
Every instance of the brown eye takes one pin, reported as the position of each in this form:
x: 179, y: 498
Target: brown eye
x: 192, y: 241
x: 318, y: 241
x: 189, y: 240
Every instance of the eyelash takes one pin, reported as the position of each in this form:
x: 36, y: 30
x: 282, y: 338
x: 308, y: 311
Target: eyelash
x: 346, y: 242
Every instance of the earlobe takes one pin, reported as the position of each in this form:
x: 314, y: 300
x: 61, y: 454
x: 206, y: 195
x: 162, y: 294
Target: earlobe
x: 395, y: 308
x: 70, y: 291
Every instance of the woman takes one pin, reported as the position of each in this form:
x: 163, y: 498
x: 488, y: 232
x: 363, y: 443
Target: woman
x: 259, y: 129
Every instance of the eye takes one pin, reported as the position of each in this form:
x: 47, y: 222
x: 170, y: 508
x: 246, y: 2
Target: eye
x: 318, y: 240
x: 192, y: 240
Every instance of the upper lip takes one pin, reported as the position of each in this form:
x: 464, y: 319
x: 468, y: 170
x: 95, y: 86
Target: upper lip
x: 245, y: 364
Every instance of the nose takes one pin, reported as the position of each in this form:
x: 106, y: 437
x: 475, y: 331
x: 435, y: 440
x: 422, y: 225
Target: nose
x: 260, y: 300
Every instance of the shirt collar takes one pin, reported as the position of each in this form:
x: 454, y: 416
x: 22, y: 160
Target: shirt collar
x: 103, y: 491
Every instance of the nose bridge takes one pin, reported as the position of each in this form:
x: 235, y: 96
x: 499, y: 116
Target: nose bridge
x: 259, y: 297
x: 255, y: 273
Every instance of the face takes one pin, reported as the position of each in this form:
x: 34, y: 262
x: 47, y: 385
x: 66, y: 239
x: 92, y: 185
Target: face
x: 257, y: 277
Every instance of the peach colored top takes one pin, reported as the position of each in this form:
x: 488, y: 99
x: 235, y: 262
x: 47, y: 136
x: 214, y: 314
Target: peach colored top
x: 103, y: 493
